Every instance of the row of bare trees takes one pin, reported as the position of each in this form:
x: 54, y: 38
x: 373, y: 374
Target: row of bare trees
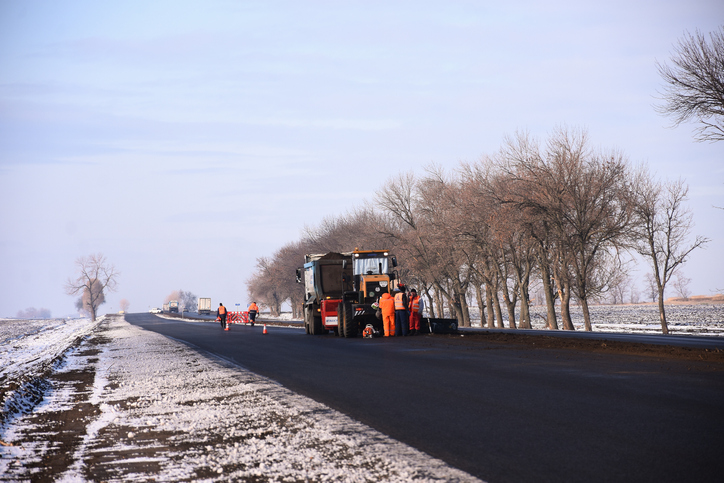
x: 558, y: 214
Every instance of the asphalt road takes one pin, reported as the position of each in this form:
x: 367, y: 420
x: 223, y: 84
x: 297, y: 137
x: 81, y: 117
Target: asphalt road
x: 500, y: 412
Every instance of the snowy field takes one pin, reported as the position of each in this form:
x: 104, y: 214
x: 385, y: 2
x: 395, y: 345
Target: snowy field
x: 698, y: 319
x: 156, y: 410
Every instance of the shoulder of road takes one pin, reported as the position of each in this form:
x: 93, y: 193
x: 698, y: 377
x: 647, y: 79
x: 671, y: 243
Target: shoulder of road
x: 693, y: 347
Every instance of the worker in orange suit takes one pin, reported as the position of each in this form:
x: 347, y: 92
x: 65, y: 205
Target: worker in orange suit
x: 253, y: 311
x: 387, y: 306
x: 221, y: 315
x: 416, y: 307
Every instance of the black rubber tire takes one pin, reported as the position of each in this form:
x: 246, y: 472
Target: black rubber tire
x: 317, y: 328
x: 350, y: 325
x: 307, y: 319
x: 340, y: 321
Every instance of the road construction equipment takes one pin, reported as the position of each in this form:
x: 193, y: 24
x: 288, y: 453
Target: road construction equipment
x: 340, y: 288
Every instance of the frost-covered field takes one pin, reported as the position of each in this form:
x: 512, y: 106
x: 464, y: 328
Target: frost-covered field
x: 153, y: 409
x: 703, y: 319
x: 29, y: 350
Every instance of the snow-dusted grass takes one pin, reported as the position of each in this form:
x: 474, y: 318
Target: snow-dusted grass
x: 699, y: 319
x: 164, y: 406
x: 29, y: 350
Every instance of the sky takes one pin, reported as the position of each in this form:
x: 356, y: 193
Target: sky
x: 183, y: 140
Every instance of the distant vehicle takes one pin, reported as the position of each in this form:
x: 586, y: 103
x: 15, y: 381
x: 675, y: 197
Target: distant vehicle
x: 156, y: 310
x: 121, y: 312
x: 173, y: 306
x: 165, y: 307
x: 204, y: 306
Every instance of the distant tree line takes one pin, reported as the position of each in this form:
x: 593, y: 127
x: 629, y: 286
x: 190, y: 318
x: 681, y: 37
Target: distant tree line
x: 33, y: 313
x: 558, y: 215
x: 187, y: 301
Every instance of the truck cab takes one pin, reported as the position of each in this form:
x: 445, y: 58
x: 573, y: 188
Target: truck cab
x: 372, y: 276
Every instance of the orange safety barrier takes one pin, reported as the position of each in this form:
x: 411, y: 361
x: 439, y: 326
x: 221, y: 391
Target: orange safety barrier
x: 237, y: 318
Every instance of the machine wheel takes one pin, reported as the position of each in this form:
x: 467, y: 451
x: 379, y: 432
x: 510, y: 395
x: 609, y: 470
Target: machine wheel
x: 340, y: 320
x: 316, y: 327
x: 307, y: 319
x: 350, y: 325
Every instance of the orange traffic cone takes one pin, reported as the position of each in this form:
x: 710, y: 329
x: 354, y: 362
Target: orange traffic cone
x: 264, y: 332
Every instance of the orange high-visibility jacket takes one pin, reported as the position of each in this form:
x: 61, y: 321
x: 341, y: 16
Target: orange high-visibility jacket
x: 253, y: 307
x: 387, y: 304
x: 415, y: 303
x: 222, y: 310
x: 400, y: 301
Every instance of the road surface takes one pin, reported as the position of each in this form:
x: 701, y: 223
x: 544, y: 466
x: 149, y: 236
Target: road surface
x: 502, y: 412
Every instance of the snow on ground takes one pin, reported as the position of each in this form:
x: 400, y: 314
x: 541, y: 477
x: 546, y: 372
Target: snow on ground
x: 698, y: 319
x: 155, y: 409
x: 28, y: 351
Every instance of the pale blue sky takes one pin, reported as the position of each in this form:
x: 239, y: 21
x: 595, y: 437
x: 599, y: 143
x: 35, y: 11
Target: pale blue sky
x: 185, y: 139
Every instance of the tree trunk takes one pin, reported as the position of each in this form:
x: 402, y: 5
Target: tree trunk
x: 440, y: 303
x: 564, y: 293
x: 456, y: 309
x: 489, y: 303
x: 550, y: 298
x: 498, y: 310
x: 465, y: 310
x: 586, y: 315
x: 662, y: 312
x: 481, y: 304
x: 524, y: 307
x: 430, y: 306
x: 511, y: 311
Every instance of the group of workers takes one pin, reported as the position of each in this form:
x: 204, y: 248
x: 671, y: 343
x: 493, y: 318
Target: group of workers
x: 401, y: 315
x: 221, y: 313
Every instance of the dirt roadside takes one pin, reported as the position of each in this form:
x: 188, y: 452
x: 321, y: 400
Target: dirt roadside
x: 542, y: 342
x: 130, y: 405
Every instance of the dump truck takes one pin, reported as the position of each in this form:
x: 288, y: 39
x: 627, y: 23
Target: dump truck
x: 340, y: 288
x: 204, y: 306
x: 173, y: 306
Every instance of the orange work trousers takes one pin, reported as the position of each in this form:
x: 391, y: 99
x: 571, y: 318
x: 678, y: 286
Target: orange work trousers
x: 415, y: 319
x: 388, y: 322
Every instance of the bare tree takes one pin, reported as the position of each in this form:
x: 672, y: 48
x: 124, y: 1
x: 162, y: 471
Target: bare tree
x: 619, y: 288
x: 124, y: 304
x: 695, y: 84
x: 652, y: 290
x: 95, y: 277
x: 634, y: 294
x: 681, y: 285
x: 663, y: 228
x: 188, y: 301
